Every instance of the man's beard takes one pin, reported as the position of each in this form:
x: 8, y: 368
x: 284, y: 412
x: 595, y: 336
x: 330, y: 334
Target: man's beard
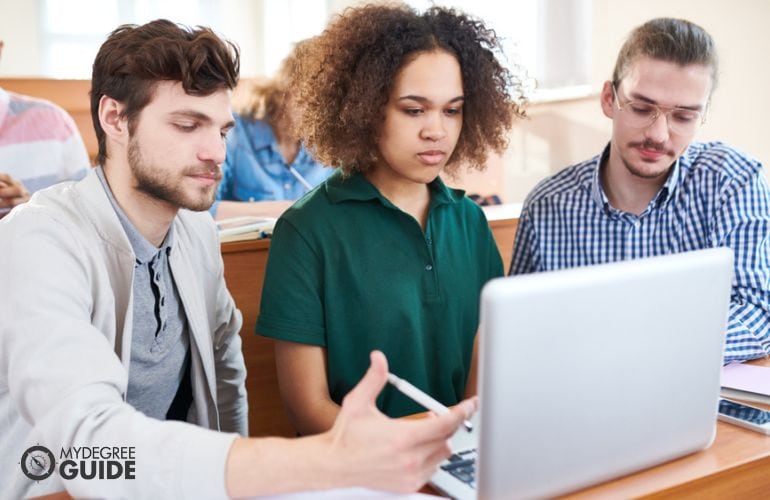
x: 163, y: 186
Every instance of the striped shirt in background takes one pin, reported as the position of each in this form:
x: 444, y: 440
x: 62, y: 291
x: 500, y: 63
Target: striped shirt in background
x: 39, y: 142
x: 715, y: 196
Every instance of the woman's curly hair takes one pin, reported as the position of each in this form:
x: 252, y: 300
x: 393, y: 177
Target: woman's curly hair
x: 356, y: 60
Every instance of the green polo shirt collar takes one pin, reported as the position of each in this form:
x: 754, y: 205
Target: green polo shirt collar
x: 357, y: 187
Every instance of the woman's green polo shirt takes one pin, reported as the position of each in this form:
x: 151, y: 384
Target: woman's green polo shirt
x: 350, y: 272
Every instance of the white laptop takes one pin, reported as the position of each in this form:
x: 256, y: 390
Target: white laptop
x: 592, y: 373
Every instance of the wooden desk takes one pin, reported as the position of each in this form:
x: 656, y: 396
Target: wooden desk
x: 245, y: 263
x: 503, y: 220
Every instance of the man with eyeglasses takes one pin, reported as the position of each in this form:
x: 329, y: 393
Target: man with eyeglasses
x: 653, y: 191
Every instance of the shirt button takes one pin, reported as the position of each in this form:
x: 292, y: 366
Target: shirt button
x: 251, y: 198
x: 428, y: 267
x: 287, y: 186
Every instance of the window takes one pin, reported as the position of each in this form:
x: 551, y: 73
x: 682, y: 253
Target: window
x: 549, y: 38
x: 73, y: 30
x: 287, y: 22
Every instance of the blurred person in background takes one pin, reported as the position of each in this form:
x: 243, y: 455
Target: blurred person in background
x: 267, y: 168
x: 39, y: 146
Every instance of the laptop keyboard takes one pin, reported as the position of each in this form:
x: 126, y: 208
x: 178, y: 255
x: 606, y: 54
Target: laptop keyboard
x: 462, y: 465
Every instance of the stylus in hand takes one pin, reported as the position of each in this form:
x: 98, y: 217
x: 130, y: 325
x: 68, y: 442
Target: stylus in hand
x: 420, y: 397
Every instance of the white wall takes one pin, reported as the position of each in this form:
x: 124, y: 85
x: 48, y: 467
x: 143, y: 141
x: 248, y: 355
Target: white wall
x: 244, y: 20
x: 741, y: 103
x: 19, y: 29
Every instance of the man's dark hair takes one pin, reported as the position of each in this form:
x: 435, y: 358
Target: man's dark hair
x: 672, y: 40
x: 135, y: 58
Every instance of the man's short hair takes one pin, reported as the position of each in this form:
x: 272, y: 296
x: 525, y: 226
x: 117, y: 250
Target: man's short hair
x: 135, y: 58
x: 667, y: 39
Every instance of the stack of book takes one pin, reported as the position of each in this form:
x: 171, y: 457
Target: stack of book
x: 746, y: 382
x: 246, y: 227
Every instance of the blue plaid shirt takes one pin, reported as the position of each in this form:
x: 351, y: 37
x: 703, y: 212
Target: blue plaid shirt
x: 715, y: 196
x: 254, y: 169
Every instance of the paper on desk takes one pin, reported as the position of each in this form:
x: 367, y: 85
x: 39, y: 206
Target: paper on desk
x: 244, y: 224
x: 348, y: 494
x: 747, y: 378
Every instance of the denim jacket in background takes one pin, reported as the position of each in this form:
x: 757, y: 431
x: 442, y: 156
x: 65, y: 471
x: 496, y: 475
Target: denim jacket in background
x: 254, y: 169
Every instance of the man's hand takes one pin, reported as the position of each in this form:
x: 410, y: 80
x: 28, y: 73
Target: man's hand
x: 12, y: 193
x: 389, y: 454
x: 363, y: 448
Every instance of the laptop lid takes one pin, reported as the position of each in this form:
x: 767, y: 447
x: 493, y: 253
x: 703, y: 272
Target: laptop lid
x: 595, y: 372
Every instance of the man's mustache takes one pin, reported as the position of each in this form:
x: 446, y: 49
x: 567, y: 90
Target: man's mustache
x: 216, y: 172
x: 654, y: 146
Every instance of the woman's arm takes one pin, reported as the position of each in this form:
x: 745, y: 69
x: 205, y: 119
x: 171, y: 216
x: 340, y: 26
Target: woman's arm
x: 304, y: 387
x: 471, y: 386
x: 273, y: 208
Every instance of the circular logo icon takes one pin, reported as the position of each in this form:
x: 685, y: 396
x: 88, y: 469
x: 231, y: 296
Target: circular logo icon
x: 37, y: 463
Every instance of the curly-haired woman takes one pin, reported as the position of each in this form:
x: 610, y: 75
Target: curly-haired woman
x: 383, y: 255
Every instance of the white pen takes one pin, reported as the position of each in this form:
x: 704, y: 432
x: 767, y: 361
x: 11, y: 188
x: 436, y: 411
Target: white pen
x: 299, y: 177
x: 420, y: 397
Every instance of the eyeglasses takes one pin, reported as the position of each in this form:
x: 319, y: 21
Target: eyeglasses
x: 640, y: 114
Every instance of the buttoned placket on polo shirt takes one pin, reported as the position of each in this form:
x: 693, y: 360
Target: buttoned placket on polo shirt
x: 160, y: 340
x: 158, y: 285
